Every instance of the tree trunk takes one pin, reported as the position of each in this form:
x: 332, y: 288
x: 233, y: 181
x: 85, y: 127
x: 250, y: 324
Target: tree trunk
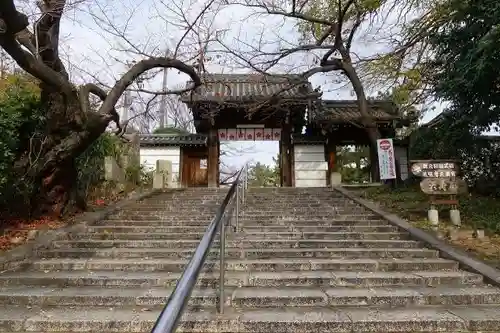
x: 367, y: 120
x: 54, y: 174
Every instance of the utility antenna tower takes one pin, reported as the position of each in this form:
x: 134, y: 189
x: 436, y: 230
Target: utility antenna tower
x: 163, y: 101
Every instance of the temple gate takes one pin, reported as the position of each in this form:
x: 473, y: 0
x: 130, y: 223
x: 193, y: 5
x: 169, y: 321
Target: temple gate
x: 250, y: 107
x: 285, y: 108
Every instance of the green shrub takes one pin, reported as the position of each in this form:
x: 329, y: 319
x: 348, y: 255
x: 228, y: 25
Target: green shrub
x: 21, y: 119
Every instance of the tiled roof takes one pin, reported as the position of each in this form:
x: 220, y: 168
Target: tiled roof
x: 341, y: 111
x: 436, y: 120
x: 172, y: 140
x: 243, y: 87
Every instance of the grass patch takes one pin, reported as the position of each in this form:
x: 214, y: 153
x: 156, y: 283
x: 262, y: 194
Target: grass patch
x: 409, y: 202
x: 477, y: 212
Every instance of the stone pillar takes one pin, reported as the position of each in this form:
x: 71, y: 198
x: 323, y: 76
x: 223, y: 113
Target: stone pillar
x: 433, y: 216
x: 455, y: 217
x: 112, y: 170
x: 162, y: 177
x: 132, y: 155
x: 131, y: 160
x: 213, y: 158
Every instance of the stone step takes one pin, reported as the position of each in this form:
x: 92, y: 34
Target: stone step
x: 187, y: 197
x: 316, y: 235
x: 233, y: 253
x: 169, y: 210
x: 103, y: 297
x: 173, y: 216
x: 246, y: 222
x: 184, y: 199
x: 322, y: 213
x: 263, y: 217
x: 270, y: 204
x: 284, y: 228
x: 253, y: 297
x: 173, y: 207
x: 271, y: 211
x: 312, y: 217
x: 271, y: 228
x: 111, y: 279
x: 312, y: 223
x: 324, y: 235
x: 248, y: 242
x: 275, y: 264
x: 204, y: 203
x: 430, y: 319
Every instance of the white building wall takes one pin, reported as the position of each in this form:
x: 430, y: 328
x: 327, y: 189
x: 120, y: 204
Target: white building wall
x: 401, y: 154
x: 150, y: 155
x: 310, y: 166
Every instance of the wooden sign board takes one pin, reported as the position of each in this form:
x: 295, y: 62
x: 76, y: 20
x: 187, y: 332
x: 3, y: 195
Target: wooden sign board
x: 434, y: 168
x: 443, y: 186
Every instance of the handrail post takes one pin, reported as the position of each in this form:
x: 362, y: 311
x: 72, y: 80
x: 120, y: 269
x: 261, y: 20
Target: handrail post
x: 243, y: 184
x: 222, y: 265
x: 237, y: 207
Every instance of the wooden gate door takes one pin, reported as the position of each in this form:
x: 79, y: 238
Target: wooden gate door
x: 192, y: 174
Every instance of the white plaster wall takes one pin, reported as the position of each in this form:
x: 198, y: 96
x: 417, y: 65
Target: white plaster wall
x: 310, y: 166
x: 149, y: 156
x: 401, y: 155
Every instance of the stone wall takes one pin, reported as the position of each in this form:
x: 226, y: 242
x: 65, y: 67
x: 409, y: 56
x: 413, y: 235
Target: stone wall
x: 310, y: 166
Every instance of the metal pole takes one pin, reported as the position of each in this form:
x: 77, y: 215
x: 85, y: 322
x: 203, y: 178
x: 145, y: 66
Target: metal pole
x: 237, y: 206
x: 243, y: 189
x: 163, y: 101
x: 222, y: 265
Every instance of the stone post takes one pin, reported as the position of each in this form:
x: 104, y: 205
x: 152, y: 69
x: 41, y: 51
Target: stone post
x: 335, y: 178
x: 455, y: 217
x: 131, y: 160
x: 162, y: 177
x: 112, y: 170
x: 433, y: 216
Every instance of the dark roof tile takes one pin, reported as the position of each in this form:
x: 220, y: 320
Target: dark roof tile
x: 342, y: 111
x: 172, y: 140
x: 242, y: 87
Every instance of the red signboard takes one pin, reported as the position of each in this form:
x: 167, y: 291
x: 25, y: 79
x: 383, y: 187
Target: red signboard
x: 385, y: 144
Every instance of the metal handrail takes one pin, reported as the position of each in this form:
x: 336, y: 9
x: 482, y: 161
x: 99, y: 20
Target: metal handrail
x: 172, y: 312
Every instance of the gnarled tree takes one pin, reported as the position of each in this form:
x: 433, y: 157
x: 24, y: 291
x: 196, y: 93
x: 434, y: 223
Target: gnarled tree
x: 71, y: 124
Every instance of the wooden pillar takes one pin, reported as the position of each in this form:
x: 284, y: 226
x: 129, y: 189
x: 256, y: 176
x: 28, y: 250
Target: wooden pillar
x: 280, y: 162
x: 292, y: 164
x: 374, y: 170
x: 218, y: 162
x: 331, y: 151
x: 213, y: 158
x: 286, y: 148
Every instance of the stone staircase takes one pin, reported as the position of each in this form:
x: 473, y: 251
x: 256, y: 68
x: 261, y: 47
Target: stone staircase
x: 305, y: 260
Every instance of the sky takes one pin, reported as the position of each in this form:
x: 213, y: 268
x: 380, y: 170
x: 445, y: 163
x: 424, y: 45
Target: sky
x: 99, y: 38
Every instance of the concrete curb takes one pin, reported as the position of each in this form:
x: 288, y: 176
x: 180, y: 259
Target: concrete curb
x: 490, y: 274
x: 19, y: 256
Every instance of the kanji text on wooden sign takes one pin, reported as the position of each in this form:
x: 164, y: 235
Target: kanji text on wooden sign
x: 434, y: 186
x: 434, y: 168
x: 444, y: 186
